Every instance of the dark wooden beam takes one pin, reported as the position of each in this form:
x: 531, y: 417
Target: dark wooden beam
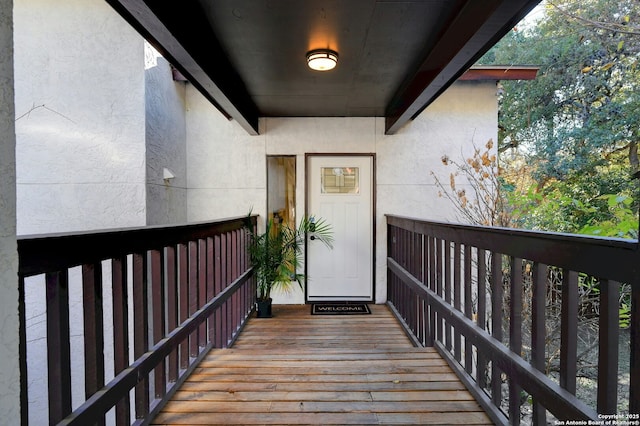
x: 179, y: 31
x: 477, y: 26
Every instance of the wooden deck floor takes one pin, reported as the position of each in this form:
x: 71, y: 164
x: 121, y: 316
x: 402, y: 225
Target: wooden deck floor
x: 297, y: 368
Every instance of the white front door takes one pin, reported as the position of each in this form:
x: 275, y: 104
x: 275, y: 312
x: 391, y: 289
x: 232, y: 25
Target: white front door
x: 340, y: 190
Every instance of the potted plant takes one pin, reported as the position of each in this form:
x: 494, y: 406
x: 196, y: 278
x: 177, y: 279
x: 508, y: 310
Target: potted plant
x: 277, y: 254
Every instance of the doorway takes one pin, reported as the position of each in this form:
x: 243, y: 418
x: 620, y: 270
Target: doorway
x: 340, y: 189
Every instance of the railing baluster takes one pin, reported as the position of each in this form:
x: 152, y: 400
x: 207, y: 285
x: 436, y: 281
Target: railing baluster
x: 482, y: 315
x: 634, y: 370
x: 93, y: 330
x: 447, y: 289
x: 183, y: 292
x: 538, y: 333
x: 515, y: 334
x: 235, y: 269
x: 569, y: 331
x: 140, y: 328
x: 202, y: 288
x: 58, y: 345
x: 158, y: 318
x: 413, y: 302
x: 428, y: 277
x: 468, y: 307
x: 172, y: 309
x: 210, y: 289
x: 119, y: 294
x: 608, y: 331
x: 225, y: 281
x: 217, y: 288
x: 496, y: 323
x: 457, y: 303
x: 439, y: 284
x: 193, y: 295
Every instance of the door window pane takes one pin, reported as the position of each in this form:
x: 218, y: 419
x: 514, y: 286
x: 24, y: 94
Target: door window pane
x: 340, y: 180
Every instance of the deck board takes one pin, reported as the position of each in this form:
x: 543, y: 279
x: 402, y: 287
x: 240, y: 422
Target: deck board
x: 297, y: 368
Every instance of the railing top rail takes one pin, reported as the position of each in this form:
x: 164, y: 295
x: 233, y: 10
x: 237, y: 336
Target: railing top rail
x: 612, y: 258
x: 51, y: 252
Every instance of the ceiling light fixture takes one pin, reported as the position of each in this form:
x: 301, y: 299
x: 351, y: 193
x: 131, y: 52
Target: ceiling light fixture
x: 322, y: 59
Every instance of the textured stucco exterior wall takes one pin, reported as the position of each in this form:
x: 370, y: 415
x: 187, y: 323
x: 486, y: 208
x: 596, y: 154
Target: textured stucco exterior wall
x: 80, y: 117
x: 9, y: 349
x: 466, y: 115
x: 227, y: 167
x: 165, y: 142
x: 80, y: 154
x: 226, y: 174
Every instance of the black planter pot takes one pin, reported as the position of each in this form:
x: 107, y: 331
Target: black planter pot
x: 264, y: 308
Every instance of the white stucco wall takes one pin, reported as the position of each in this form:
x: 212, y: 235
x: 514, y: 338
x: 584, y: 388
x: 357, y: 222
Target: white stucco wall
x: 9, y: 348
x: 226, y: 174
x: 165, y: 142
x: 81, y: 157
x: 226, y: 167
x: 466, y: 115
x: 80, y: 117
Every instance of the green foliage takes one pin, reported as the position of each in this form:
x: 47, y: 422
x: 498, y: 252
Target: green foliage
x: 621, y: 221
x: 277, y: 254
x: 576, y: 125
x: 583, y: 105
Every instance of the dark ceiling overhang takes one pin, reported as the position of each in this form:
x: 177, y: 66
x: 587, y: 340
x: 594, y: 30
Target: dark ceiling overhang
x: 396, y: 57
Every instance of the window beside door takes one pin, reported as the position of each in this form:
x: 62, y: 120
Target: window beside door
x: 281, y: 189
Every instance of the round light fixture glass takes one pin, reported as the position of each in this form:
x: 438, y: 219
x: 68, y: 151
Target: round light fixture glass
x: 322, y: 59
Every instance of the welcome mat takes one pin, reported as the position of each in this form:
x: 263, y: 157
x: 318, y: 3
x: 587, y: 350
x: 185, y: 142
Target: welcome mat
x: 339, y: 309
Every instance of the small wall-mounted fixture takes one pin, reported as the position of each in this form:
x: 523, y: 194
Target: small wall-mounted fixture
x: 167, y: 175
x: 322, y: 59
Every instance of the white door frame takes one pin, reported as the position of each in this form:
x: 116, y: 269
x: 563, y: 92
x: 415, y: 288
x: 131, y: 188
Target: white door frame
x: 372, y: 156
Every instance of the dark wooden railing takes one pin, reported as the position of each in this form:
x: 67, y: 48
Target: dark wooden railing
x: 181, y: 290
x: 496, y: 302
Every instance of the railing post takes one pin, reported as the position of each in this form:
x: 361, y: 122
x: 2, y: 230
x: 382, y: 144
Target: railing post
x: 24, y: 395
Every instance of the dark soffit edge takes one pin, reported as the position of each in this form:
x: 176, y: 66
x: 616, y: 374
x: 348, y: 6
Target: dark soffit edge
x: 478, y: 26
x: 217, y: 81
